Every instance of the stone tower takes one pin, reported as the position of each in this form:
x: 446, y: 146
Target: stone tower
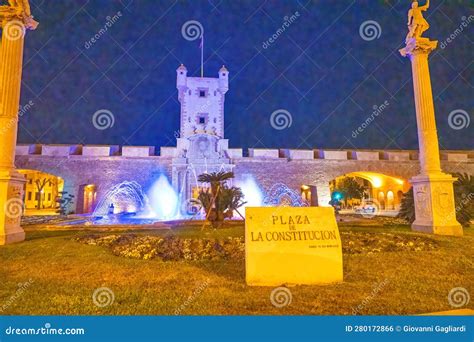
x: 202, y: 103
x: 201, y: 147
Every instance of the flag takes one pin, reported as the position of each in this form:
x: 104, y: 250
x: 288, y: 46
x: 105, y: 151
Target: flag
x: 201, y: 46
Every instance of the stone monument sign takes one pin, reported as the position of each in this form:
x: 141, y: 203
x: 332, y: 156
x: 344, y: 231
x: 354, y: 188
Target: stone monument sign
x: 292, y: 245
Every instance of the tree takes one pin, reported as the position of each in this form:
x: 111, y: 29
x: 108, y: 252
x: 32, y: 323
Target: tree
x: 231, y: 199
x: 64, y: 200
x: 350, y: 189
x: 220, y: 201
x: 464, y: 198
x: 40, y: 185
x: 216, y: 180
x: 407, y: 207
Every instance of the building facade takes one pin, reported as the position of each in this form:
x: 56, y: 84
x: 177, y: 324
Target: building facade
x: 89, y: 172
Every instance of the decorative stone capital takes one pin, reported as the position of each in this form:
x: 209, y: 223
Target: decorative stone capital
x: 416, y: 46
x: 18, y: 15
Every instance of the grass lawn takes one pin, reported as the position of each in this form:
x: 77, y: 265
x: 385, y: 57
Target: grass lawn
x: 63, y: 274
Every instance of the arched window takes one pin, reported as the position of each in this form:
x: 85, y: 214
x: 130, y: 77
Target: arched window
x: 390, y: 200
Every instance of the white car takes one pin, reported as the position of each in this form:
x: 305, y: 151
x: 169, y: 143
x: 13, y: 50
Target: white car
x: 367, y: 208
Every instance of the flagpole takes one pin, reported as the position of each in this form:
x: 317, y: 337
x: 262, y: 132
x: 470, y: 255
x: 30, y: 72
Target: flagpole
x: 202, y: 55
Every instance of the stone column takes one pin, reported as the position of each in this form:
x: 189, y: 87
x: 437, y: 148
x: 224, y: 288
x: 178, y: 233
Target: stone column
x: 432, y: 189
x: 11, y: 182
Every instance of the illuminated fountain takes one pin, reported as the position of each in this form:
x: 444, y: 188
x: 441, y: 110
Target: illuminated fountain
x: 281, y: 195
x: 125, y: 197
x: 127, y: 202
x: 164, y: 200
x: 253, y: 195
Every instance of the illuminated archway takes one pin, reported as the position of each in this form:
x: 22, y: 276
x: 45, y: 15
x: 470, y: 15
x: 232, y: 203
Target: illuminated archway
x: 309, y: 194
x: 381, y: 200
x: 87, y: 198
x: 377, y: 187
x: 41, y: 192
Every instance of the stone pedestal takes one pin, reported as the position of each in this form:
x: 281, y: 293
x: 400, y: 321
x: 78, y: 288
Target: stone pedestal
x: 434, y: 205
x: 11, y: 208
x: 432, y: 189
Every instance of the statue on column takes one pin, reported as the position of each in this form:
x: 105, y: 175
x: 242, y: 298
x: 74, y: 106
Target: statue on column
x: 19, y: 10
x: 435, y: 210
x: 416, y: 23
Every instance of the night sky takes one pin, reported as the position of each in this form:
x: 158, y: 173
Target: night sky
x: 320, y: 70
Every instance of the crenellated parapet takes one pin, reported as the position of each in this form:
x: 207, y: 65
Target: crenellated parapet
x: 73, y: 150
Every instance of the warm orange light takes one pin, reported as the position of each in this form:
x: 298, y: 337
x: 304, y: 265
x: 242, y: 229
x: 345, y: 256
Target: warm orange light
x: 399, y: 181
x: 376, y: 181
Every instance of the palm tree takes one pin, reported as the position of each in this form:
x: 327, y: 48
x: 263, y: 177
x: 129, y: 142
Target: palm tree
x: 220, y: 201
x: 215, y: 179
x: 232, y: 200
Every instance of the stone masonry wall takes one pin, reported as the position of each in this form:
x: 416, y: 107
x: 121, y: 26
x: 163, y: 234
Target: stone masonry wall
x: 104, y: 172
x: 320, y: 172
x: 107, y: 171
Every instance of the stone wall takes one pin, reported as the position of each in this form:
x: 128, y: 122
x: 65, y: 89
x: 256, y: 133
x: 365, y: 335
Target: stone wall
x: 104, y: 172
x: 105, y: 167
x: 319, y: 172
